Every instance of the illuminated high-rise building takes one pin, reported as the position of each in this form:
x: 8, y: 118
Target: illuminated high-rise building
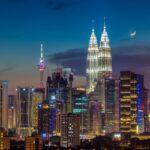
x: 111, y: 105
x: 104, y: 56
x: 58, y: 101
x: 80, y: 107
x: 12, y: 111
x: 2, y: 134
x: 58, y: 90
x: 4, y: 104
x: 46, y: 119
x: 92, y: 62
x: 70, y: 130
x: 33, y: 142
x: 104, y: 72
x: 24, y: 104
x: 37, y: 97
x: 94, y: 116
x: 146, y: 111
x: 104, y: 107
x: 99, y: 60
x: 131, y: 102
x: 41, y: 67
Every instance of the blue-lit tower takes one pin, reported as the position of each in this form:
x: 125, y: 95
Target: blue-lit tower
x: 46, y: 119
x: 132, y: 102
x: 58, y: 101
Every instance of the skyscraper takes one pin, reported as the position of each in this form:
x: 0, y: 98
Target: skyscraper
x: 146, y: 111
x: 99, y: 60
x: 2, y: 134
x: 58, y: 89
x: 46, y: 119
x: 104, y: 56
x: 104, y: 107
x: 4, y: 104
x: 94, y: 116
x: 104, y: 72
x: 92, y: 62
x: 12, y: 111
x: 34, y: 142
x: 80, y: 107
x: 37, y: 97
x: 70, y: 130
x: 24, y: 103
x: 111, y: 105
x: 132, y: 101
x: 41, y: 67
x: 58, y: 101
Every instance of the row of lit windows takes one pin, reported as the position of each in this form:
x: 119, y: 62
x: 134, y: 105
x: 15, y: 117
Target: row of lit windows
x: 125, y: 105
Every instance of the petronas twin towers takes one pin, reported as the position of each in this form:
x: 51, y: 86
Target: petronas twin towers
x: 99, y: 60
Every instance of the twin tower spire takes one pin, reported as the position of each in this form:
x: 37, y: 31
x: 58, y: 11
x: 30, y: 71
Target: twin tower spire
x: 99, y: 60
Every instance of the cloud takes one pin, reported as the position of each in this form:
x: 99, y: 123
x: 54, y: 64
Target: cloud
x: 60, y: 5
x: 136, y: 49
x: 135, y: 58
x: 125, y: 40
x: 136, y: 55
x: 6, y: 69
x: 130, y: 57
x: 73, y: 58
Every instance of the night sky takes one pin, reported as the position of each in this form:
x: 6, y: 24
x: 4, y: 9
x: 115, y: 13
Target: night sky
x: 64, y: 28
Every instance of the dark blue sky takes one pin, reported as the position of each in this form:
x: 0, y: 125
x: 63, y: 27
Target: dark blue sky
x: 64, y: 27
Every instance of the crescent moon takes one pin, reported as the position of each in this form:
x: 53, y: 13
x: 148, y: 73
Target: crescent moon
x: 133, y: 34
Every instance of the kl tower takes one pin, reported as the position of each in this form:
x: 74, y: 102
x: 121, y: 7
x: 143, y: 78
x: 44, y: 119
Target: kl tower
x: 41, y: 67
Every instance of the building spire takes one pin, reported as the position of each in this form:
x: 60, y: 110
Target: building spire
x: 104, y: 22
x: 104, y: 31
x: 93, y: 39
x: 42, y: 51
x: 93, y: 26
x: 104, y: 37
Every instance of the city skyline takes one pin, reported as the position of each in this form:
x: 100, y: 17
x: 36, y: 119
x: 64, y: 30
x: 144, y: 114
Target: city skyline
x: 74, y: 74
x: 27, y: 24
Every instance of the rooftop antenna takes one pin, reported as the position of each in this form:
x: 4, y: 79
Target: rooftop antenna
x: 41, y: 50
x: 93, y: 25
x: 104, y: 22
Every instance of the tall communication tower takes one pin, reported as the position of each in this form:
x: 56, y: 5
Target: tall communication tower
x: 41, y: 67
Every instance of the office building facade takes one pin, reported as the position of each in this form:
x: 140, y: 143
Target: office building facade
x: 12, y: 112
x: 131, y: 102
x: 4, y: 104
x: 81, y: 107
x: 24, y: 107
x: 46, y: 119
x: 70, y: 130
x: 38, y: 96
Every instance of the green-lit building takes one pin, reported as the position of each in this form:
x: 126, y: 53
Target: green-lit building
x: 80, y: 106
